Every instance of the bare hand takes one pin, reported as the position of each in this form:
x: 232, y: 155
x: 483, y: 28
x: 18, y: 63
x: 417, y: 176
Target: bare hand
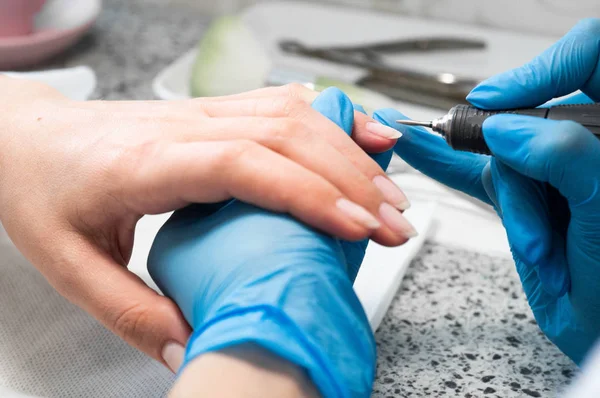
x: 75, y: 177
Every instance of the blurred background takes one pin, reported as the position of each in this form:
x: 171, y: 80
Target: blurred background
x: 417, y: 56
x: 541, y: 16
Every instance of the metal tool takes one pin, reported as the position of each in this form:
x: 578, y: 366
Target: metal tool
x: 462, y: 125
x: 433, y: 89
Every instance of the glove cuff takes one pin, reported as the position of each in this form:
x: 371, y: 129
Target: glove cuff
x: 273, y: 330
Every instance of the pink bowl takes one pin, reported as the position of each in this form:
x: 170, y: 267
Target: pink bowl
x: 50, y: 38
x: 22, y: 51
x: 16, y: 16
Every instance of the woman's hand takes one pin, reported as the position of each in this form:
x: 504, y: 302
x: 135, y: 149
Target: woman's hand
x: 75, y: 177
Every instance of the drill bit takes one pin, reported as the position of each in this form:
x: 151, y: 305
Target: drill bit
x: 415, y: 123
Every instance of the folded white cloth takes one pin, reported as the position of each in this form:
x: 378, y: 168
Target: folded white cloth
x: 51, y: 348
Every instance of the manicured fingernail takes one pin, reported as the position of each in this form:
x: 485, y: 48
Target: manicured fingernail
x: 392, y: 193
x: 358, y: 213
x: 172, y: 354
x: 396, y: 221
x: 383, y: 131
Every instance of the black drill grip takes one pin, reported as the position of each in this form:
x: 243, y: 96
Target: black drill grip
x: 466, y: 134
x: 588, y: 115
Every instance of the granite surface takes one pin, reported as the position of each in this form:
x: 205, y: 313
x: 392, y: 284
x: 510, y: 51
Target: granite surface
x: 459, y: 326
x: 132, y: 42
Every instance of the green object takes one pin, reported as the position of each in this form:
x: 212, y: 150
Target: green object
x: 230, y: 60
x: 370, y: 100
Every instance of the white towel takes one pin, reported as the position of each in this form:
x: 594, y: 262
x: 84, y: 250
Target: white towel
x: 50, y: 348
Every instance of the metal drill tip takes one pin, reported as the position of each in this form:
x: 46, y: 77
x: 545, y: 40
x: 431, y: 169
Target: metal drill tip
x: 415, y: 123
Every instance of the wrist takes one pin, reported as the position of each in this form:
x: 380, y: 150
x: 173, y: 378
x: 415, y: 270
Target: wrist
x: 243, y: 371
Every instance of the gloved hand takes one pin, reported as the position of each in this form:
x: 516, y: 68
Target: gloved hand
x: 544, y: 182
x: 241, y: 274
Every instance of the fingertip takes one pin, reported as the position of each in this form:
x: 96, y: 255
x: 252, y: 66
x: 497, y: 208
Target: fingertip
x: 484, y: 95
x: 389, y: 116
x: 508, y: 90
x: 514, y: 138
x: 369, y: 142
x: 337, y: 107
x: 516, y: 88
x: 388, y: 238
x: 506, y: 132
x: 173, y: 354
x: 372, y: 144
x: 358, y: 214
x: 350, y: 230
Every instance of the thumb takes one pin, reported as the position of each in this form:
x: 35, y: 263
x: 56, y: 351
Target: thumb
x: 562, y: 153
x: 124, y: 304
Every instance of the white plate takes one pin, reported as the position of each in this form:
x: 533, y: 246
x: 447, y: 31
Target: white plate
x: 76, y: 83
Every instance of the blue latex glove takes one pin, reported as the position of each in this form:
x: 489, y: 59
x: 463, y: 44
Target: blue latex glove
x: 544, y: 182
x: 241, y: 274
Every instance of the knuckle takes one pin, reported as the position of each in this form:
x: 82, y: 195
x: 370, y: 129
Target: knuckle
x: 240, y: 149
x: 283, y: 131
x: 137, y: 156
x: 131, y: 323
x: 198, y: 105
x: 130, y: 166
x: 296, y: 90
x: 65, y: 282
x: 292, y: 106
x: 292, y: 128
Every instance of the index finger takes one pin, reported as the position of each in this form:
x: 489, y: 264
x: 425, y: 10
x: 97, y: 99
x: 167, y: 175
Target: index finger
x: 432, y: 156
x: 569, y: 65
x: 366, y: 140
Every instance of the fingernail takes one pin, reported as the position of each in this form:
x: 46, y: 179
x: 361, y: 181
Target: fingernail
x: 172, y: 354
x: 392, y: 193
x: 358, y: 213
x: 383, y: 131
x: 396, y: 221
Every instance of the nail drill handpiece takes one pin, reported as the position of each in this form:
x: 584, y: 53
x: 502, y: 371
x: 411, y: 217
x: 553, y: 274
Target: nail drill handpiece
x: 462, y: 125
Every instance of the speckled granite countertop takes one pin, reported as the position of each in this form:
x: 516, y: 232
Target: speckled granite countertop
x: 132, y: 41
x: 459, y: 326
